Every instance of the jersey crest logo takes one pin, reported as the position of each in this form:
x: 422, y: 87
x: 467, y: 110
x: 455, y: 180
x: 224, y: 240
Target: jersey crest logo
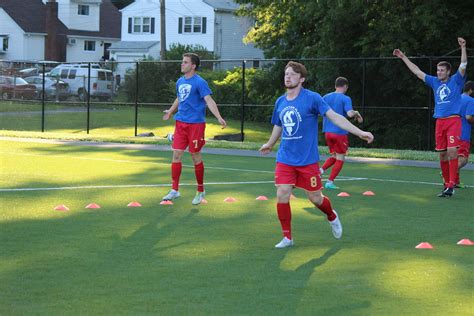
x: 183, y: 91
x: 443, y: 92
x: 291, y: 119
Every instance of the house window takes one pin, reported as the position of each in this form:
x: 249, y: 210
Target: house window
x: 142, y: 25
x: 192, y: 24
x: 89, y: 46
x: 83, y: 9
x: 5, y: 44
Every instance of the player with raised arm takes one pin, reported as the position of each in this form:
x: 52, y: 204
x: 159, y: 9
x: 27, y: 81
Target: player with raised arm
x: 447, y: 94
x: 295, y: 120
x: 193, y: 94
x: 336, y: 137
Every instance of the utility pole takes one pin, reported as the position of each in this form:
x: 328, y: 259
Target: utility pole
x: 162, y: 30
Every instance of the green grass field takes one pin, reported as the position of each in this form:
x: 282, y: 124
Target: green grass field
x: 218, y: 258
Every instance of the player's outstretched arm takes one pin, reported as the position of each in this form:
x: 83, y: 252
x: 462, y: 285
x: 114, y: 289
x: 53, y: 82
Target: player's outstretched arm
x: 171, y: 110
x: 470, y: 119
x: 463, y: 65
x: 343, y: 123
x: 267, y: 147
x: 211, y: 104
x: 413, y: 68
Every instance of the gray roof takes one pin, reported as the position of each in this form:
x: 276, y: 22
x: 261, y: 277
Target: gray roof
x: 222, y: 5
x: 131, y: 45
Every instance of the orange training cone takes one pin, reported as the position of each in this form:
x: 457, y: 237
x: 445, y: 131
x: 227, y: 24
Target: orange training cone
x: 61, y: 207
x: 93, y: 205
x: 368, y: 193
x: 466, y: 242
x: 166, y: 203
x: 134, y: 204
x: 261, y: 198
x: 424, y: 245
x: 204, y: 201
x: 343, y: 194
x: 230, y: 199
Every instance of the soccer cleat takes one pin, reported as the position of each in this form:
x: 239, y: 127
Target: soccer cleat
x: 170, y: 137
x: 198, y: 198
x: 172, y: 194
x: 336, y: 227
x: 321, y: 171
x: 447, y: 192
x: 459, y: 186
x: 285, y: 242
x: 331, y: 185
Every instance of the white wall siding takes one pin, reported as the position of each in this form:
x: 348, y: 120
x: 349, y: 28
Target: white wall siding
x: 68, y: 14
x: 34, y: 46
x: 76, y: 52
x: 15, y: 34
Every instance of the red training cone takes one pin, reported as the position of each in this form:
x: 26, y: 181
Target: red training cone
x: 424, y: 245
x: 261, y: 198
x: 93, y: 205
x: 343, y: 194
x: 466, y: 242
x: 368, y: 193
x: 166, y: 203
x: 230, y: 199
x: 134, y: 204
x: 61, y: 207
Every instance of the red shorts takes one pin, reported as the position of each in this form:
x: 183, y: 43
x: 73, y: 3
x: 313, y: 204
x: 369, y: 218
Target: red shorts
x: 464, y: 149
x: 189, y: 135
x: 338, y: 144
x: 448, y: 132
x: 305, y: 177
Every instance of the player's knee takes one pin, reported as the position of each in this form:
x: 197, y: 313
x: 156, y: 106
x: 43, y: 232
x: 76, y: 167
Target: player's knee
x: 283, y: 194
x: 177, y: 155
x: 316, y: 197
x: 196, y: 157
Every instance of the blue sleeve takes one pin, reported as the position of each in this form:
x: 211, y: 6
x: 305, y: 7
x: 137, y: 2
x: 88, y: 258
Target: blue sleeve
x: 276, y: 115
x: 470, y: 107
x: 459, y: 79
x: 321, y: 106
x: 203, y: 88
x: 347, y: 104
x: 429, y: 81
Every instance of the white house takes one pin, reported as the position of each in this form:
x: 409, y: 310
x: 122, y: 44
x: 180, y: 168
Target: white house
x: 210, y: 23
x: 60, y: 30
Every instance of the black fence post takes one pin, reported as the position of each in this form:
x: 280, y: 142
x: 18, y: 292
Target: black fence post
x: 42, y: 100
x: 88, y: 96
x: 136, y: 99
x: 242, y: 117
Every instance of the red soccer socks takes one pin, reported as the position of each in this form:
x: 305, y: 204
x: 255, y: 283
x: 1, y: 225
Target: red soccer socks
x: 328, y: 163
x: 199, y: 172
x: 445, y: 171
x: 336, y: 169
x: 326, y: 208
x: 284, y: 215
x: 453, y: 172
x: 175, y: 174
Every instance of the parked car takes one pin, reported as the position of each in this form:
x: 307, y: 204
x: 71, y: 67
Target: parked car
x: 54, y: 89
x: 12, y: 67
x: 101, y: 81
x: 16, y: 87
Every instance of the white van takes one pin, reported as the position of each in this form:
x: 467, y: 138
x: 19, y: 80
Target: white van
x: 101, y: 81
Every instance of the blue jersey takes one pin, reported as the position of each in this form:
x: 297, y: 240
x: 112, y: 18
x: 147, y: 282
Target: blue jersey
x: 467, y: 108
x: 447, y: 94
x: 339, y: 103
x: 191, y: 93
x: 299, y: 121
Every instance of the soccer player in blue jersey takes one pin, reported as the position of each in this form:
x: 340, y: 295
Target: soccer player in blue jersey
x: 447, y: 94
x: 295, y: 120
x: 193, y: 94
x: 467, y: 118
x: 336, y: 137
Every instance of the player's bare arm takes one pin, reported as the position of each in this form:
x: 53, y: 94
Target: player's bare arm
x: 470, y: 119
x: 463, y: 65
x: 211, y: 104
x: 171, y: 110
x: 355, y: 115
x: 343, y: 123
x: 267, y: 147
x: 413, y: 68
